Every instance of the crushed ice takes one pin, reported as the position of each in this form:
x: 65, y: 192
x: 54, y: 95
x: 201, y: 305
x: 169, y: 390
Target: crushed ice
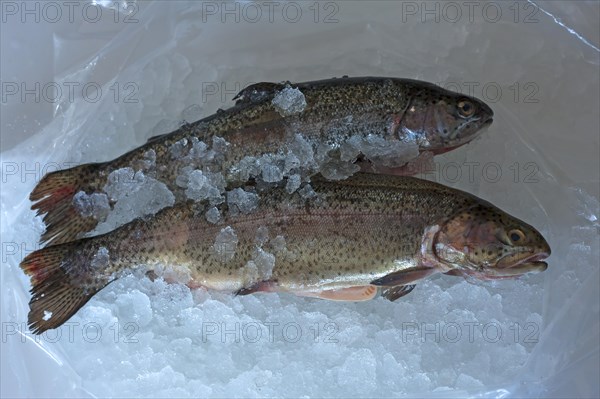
x: 242, y: 201
x: 135, y: 195
x: 289, y: 101
x: 95, y: 205
x: 100, y: 259
x: 225, y: 244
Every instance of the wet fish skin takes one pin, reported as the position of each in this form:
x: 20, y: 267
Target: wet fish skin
x: 367, y: 232
x: 397, y: 110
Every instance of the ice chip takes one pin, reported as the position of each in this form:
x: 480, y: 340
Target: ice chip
x: 242, y: 201
x: 136, y: 195
x: 293, y: 183
x: 335, y: 169
x: 249, y: 274
x: 100, y: 259
x: 179, y: 148
x: 220, y: 144
x: 291, y: 162
x: 307, y: 192
x: 197, y: 186
x: 271, y: 173
x: 226, y: 244
x: 123, y: 181
x: 246, y: 168
x: 265, y: 262
x: 262, y: 235
x: 47, y: 315
x: 303, y: 151
x: 200, y: 152
x: 201, y: 185
x: 389, y: 153
x: 213, y: 215
x: 95, y: 205
x: 278, y: 243
x: 289, y: 101
x: 349, y: 151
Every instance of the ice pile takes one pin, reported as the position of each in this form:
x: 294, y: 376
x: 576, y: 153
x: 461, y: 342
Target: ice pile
x: 134, y: 194
x: 201, y: 185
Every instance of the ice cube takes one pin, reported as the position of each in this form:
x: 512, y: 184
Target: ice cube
x: 278, y: 243
x: 265, y: 262
x: 95, y: 205
x: 334, y: 169
x: 289, y: 101
x: 213, y: 215
x: 179, y: 148
x: 225, y: 244
x: 271, y: 173
x: 389, y: 153
x: 136, y: 195
x: 47, y: 315
x: 262, y: 235
x: 100, y: 259
x: 301, y: 149
x: 307, y: 192
x: 241, y: 201
x: 220, y: 145
x: 293, y: 183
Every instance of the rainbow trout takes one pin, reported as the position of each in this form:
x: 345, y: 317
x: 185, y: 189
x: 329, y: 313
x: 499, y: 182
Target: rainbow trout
x: 274, y: 131
x: 346, y: 241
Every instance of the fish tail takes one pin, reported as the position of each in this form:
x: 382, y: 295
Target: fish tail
x: 62, y: 282
x: 53, y: 196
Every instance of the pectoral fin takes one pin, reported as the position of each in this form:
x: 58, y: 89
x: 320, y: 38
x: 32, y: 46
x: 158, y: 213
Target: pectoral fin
x: 405, y: 277
x: 359, y: 293
x: 393, y: 293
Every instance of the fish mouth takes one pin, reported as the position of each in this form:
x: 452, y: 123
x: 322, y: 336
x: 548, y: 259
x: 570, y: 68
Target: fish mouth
x: 509, y: 266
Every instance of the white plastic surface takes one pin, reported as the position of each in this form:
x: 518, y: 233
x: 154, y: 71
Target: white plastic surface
x: 178, y: 61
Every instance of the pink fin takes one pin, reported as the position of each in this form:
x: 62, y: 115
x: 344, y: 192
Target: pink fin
x: 359, y: 293
x: 405, y: 277
x: 261, y: 286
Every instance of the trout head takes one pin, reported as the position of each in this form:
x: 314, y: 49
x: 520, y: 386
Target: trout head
x: 440, y: 120
x: 486, y: 243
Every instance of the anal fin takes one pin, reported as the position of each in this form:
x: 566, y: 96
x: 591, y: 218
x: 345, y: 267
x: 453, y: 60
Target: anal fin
x: 393, y: 293
x: 261, y: 286
x: 354, y: 294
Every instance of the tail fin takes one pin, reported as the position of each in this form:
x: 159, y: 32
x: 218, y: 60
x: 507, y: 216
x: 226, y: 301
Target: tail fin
x: 54, y: 195
x: 61, y: 285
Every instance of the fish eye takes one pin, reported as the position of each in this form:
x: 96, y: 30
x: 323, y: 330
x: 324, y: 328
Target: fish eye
x: 516, y: 236
x: 466, y: 108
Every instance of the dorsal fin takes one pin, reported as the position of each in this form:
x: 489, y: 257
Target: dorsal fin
x: 258, y: 92
x: 158, y: 136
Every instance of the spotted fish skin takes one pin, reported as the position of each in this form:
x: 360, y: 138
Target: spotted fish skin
x: 349, y: 239
x: 395, y: 110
